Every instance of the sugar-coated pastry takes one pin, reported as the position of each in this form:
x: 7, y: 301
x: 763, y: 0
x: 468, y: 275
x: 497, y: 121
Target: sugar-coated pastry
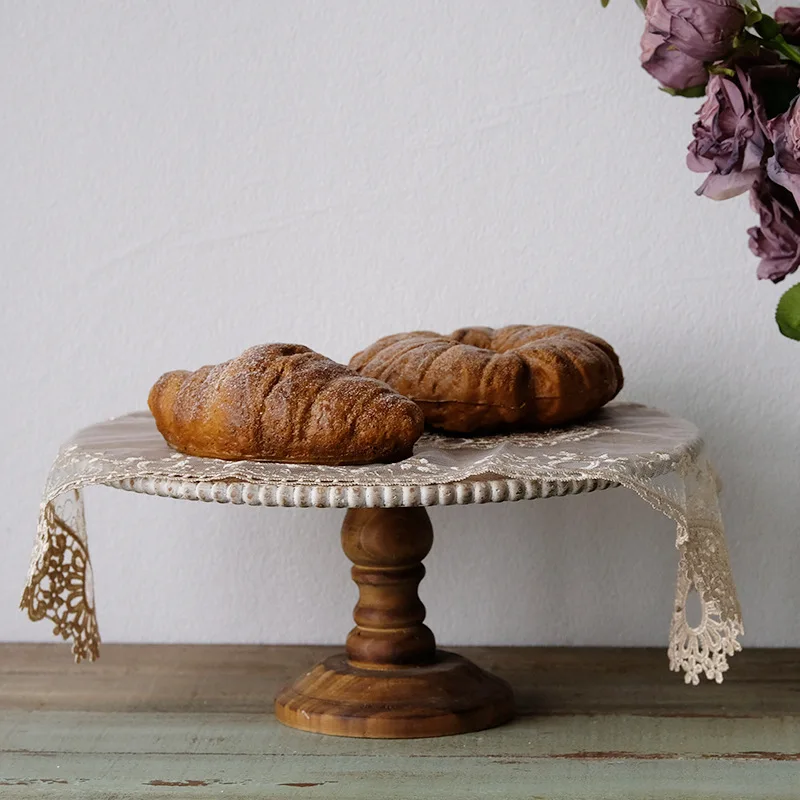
x: 284, y: 402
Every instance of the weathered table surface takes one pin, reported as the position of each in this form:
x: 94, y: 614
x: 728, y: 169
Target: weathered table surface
x: 160, y: 721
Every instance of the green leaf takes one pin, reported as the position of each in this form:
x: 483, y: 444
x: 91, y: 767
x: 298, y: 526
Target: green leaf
x: 767, y: 28
x: 752, y: 18
x: 641, y: 3
x: 718, y: 69
x: 788, y: 313
x: 692, y: 91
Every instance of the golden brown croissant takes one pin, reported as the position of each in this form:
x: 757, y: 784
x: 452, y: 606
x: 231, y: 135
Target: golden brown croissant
x: 481, y: 379
x: 284, y: 402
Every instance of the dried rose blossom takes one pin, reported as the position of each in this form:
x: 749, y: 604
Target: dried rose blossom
x: 702, y: 29
x: 728, y: 140
x: 668, y: 65
x: 776, y: 241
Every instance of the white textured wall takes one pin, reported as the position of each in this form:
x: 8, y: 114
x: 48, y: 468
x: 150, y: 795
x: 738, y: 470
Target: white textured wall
x: 183, y: 179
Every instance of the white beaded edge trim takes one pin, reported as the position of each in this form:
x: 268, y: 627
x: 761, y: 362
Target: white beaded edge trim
x: 497, y: 490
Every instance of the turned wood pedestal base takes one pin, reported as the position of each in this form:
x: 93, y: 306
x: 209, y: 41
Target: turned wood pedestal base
x: 392, y: 682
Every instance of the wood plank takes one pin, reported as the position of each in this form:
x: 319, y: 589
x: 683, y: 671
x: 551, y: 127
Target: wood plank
x: 546, y: 681
x: 398, y: 779
x: 576, y: 737
x: 85, y: 754
x: 196, y: 721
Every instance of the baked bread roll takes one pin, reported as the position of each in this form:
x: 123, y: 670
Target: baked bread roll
x: 481, y: 379
x: 284, y: 402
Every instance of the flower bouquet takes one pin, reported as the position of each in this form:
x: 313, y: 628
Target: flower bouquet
x: 747, y: 136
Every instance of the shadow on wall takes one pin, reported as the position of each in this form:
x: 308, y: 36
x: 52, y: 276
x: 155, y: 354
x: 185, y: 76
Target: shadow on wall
x: 751, y: 434
x: 589, y: 569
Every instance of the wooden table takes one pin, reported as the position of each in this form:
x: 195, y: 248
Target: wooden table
x: 162, y: 721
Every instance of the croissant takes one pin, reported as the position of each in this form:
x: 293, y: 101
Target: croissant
x: 284, y: 402
x: 481, y: 379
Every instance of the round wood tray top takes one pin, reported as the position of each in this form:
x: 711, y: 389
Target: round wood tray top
x: 625, y: 443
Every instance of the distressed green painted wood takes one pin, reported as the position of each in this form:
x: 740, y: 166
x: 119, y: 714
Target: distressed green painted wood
x: 428, y: 778
x: 167, y: 722
x: 215, y: 755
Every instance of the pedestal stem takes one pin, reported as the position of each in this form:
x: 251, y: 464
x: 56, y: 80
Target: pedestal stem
x: 386, y: 547
x: 392, y: 683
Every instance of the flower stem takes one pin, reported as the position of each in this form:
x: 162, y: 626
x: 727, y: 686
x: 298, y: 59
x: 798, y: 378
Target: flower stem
x: 782, y: 46
x: 770, y: 32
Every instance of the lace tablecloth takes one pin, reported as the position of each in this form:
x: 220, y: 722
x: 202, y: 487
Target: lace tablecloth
x: 659, y: 457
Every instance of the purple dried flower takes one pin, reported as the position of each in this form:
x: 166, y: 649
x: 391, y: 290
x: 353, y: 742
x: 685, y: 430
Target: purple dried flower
x: 702, y: 29
x: 728, y: 140
x: 784, y: 166
x: 789, y: 20
x: 776, y: 241
x: 771, y: 85
x: 668, y: 65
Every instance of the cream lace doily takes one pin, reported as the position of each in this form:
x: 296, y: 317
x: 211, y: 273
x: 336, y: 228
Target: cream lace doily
x: 659, y: 457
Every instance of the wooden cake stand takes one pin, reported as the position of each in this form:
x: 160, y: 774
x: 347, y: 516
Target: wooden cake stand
x: 391, y: 682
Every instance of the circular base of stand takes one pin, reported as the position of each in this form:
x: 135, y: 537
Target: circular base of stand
x: 450, y: 696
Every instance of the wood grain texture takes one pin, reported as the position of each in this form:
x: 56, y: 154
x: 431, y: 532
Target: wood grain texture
x: 160, y: 721
x: 386, y: 546
x: 392, y: 683
x: 547, y: 681
x: 449, y: 696
x: 219, y: 758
